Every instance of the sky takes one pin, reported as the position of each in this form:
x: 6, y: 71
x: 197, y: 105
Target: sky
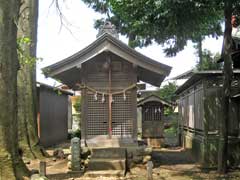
x: 56, y: 43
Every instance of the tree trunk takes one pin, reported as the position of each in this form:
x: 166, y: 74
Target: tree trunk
x: 27, y: 95
x: 223, y: 125
x: 11, y: 164
x: 199, y: 49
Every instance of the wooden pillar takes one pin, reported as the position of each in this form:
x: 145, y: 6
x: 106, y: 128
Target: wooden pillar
x: 83, y: 115
x: 134, y: 113
x: 110, y: 97
x: 134, y: 102
x: 84, y: 106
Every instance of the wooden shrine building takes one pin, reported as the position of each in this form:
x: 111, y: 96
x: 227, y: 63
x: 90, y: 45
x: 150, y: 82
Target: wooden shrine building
x: 107, y: 72
x: 153, y: 119
x: 201, y: 111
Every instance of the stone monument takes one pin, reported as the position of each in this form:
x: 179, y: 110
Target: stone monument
x: 75, y: 151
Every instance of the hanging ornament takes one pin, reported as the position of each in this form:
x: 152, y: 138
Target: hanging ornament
x: 103, y: 98
x: 95, y: 96
x: 124, y: 96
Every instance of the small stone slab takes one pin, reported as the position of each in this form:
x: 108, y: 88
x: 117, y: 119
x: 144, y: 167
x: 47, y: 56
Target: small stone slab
x: 75, y: 152
x: 149, y: 170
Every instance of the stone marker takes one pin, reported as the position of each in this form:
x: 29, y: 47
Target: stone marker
x: 149, y: 170
x: 42, y: 168
x: 75, y: 152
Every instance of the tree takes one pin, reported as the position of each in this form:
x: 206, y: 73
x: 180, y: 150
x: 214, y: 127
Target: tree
x: 227, y: 70
x: 167, y: 92
x: 173, y: 23
x: 11, y: 164
x: 104, y: 7
x: 27, y: 92
x: 209, y: 61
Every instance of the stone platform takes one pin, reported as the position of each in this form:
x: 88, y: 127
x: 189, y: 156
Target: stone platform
x: 107, y: 161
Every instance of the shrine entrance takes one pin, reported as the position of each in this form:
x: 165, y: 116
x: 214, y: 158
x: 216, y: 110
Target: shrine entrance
x: 98, y: 115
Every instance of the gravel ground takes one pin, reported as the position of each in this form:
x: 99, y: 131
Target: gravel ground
x: 169, y: 164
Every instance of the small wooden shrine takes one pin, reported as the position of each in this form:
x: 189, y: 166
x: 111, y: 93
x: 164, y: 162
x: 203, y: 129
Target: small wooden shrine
x: 107, y: 72
x: 152, y: 110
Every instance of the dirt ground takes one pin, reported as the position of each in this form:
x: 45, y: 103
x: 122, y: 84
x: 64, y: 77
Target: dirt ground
x: 169, y: 164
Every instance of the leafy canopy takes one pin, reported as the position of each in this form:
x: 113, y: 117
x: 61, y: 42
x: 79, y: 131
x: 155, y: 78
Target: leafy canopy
x: 171, y: 22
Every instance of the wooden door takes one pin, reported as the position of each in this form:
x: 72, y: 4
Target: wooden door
x: 122, y: 121
x: 97, y: 115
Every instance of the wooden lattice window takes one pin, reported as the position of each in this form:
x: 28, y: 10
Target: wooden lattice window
x: 122, y: 115
x: 97, y: 115
x: 152, y: 112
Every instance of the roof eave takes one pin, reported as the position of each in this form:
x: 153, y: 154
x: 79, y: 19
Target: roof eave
x: 108, y: 43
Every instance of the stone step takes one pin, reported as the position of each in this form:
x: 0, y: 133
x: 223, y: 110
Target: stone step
x: 107, y: 164
x: 110, y: 173
x: 109, y: 153
x: 104, y: 141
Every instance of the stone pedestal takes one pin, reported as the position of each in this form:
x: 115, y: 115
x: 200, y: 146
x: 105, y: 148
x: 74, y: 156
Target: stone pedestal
x: 75, y: 152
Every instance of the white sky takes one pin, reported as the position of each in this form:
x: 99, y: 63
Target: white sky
x: 55, y: 44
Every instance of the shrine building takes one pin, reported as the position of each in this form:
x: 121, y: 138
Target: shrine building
x: 107, y: 72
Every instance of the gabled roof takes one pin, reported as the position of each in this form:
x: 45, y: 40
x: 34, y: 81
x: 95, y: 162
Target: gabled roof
x: 154, y: 98
x: 40, y: 84
x: 149, y: 70
x: 184, y: 75
x: 197, y: 76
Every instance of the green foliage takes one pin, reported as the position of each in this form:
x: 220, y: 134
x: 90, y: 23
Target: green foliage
x: 167, y: 92
x: 171, y: 23
x: 168, y: 111
x: 173, y: 128
x: 57, y: 91
x: 101, y: 6
x: 209, y: 61
x: 23, y: 46
x: 73, y: 134
x: 77, y: 105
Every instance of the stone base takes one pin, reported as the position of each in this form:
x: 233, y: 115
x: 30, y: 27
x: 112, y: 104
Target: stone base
x: 105, y: 141
x: 112, y: 173
x: 107, y: 164
x: 107, y: 159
